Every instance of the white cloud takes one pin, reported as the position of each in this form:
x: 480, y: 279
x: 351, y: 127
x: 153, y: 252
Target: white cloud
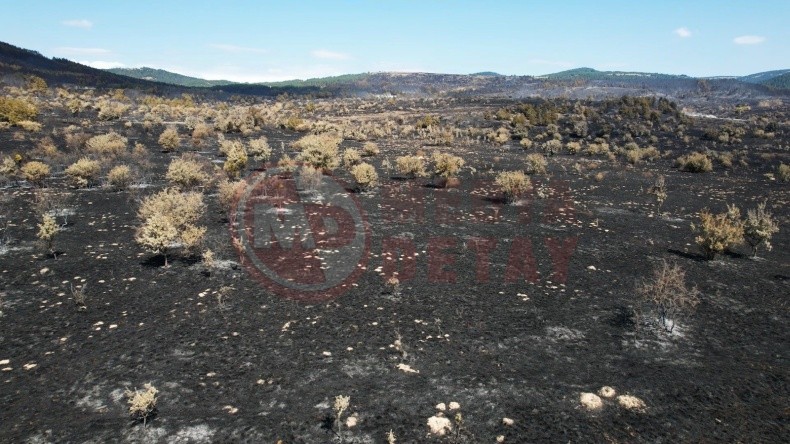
x: 237, y: 49
x: 683, y: 32
x: 101, y: 64
x: 748, y: 39
x: 78, y: 23
x: 329, y: 55
x: 81, y: 51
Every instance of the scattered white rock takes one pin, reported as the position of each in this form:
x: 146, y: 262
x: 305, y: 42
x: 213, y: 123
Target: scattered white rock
x: 326, y: 353
x: 44, y: 270
x: 592, y: 268
x: 500, y: 438
x: 507, y: 421
x: 591, y: 401
x: 631, y: 402
x: 441, y: 407
x: 5, y: 362
x: 230, y: 409
x: 439, y: 425
x: 30, y: 366
x: 351, y: 421
x: 407, y: 369
x: 454, y: 406
x: 607, y: 392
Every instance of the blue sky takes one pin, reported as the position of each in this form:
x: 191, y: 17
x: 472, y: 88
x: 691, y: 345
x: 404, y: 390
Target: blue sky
x: 278, y: 40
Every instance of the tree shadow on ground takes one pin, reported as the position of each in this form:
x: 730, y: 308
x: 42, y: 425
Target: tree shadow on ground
x: 696, y: 257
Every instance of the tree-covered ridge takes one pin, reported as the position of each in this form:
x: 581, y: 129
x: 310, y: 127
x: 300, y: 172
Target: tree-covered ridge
x: 160, y: 75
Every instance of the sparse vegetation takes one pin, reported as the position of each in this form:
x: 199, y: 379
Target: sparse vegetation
x: 718, y: 232
x: 120, y: 177
x: 186, y: 173
x: 14, y: 110
x: 319, y: 151
x: 259, y: 149
x: 513, y: 184
x: 169, y: 140
x: 310, y: 178
x: 667, y: 291
x: 784, y: 172
x: 142, y: 403
x: 47, y: 230
x: 370, y: 149
x: 84, y: 172
x: 170, y: 217
x: 659, y: 190
x: 695, y: 163
x: 365, y: 176
x: 446, y: 165
x: 536, y: 164
x: 35, y: 172
x: 351, y: 157
x: 110, y: 144
x: 759, y: 227
x: 410, y: 166
x: 236, y: 160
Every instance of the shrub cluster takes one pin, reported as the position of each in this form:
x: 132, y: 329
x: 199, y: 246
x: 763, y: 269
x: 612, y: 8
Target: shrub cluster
x: 411, y: 166
x: 370, y: 149
x: 35, y: 172
x: 111, y: 143
x: 169, y: 218
x: 259, y: 149
x: 668, y: 292
x: 169, y: 140
x: 351, y: 157
x: 15, y: 110
x: 365, y: 175
x: 536, y: 164
x: 186, y: 173
x: 84, y: 172
x: 513, y: 184
x: 695, y: 163
x: 718, y: 232
x: 120, y: 177
x: 319, y: 150
x: 758, y: 228
x: 446, y: 165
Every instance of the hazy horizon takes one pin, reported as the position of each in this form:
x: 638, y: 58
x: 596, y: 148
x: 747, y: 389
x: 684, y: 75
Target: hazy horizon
x: 270, y: 41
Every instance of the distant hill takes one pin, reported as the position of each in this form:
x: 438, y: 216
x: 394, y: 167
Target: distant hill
x: 321, y: 82
x: 485, y: 73
x: 779, y: 82
x: 581, y: 83
x: 160, y: 75
x: 763, y: 77
x: 19, y: 61
x: 593, y: 74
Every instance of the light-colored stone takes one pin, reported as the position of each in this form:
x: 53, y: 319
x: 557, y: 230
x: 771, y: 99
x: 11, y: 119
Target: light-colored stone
x: 607, y: 392
x: 631, y: 402
x: 439, y: 425
x: 590, y: 401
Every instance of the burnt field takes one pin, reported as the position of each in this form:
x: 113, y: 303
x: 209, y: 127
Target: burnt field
x: 444, y: 307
